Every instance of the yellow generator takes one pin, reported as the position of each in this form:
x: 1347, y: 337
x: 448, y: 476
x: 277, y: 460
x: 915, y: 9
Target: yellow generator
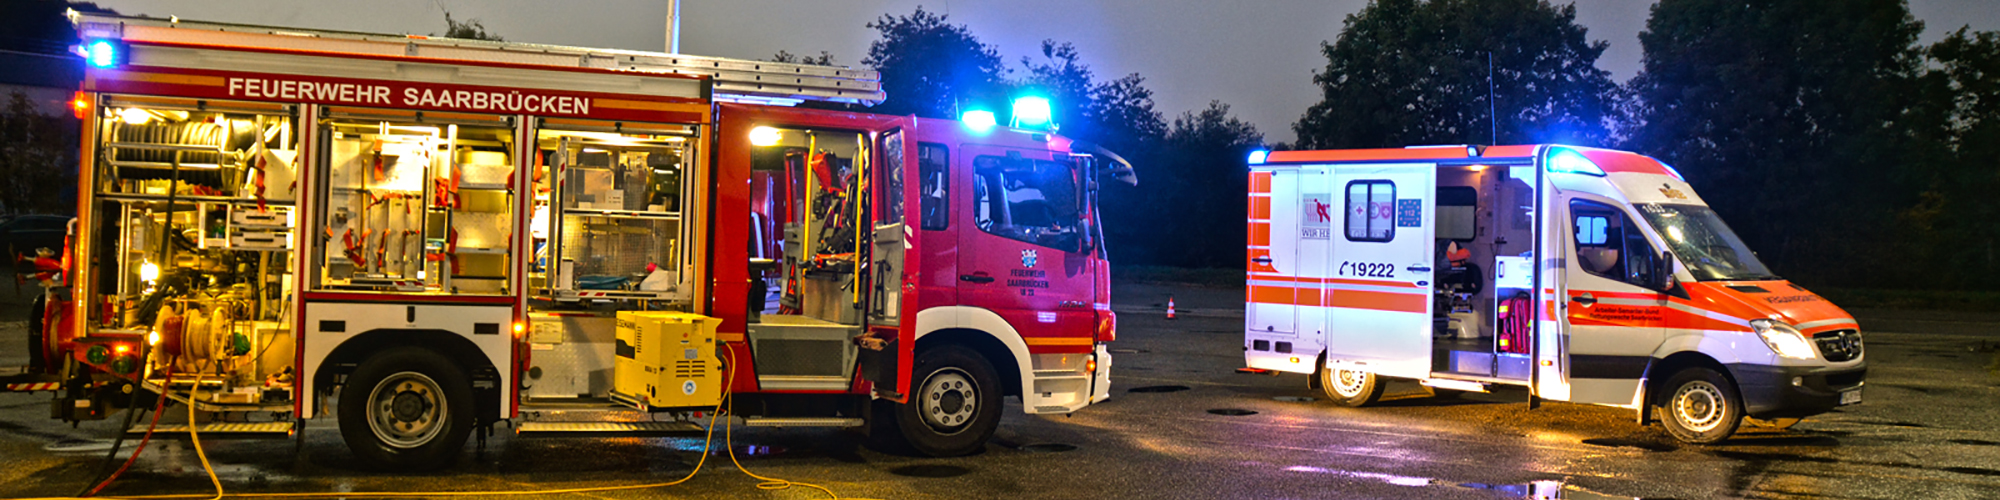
x: 666, y: 360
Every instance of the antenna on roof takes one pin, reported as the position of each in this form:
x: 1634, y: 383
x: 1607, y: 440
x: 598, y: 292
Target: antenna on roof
x: 1492, y: 109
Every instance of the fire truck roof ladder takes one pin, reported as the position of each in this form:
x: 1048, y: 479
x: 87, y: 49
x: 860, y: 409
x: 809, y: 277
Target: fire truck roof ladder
x: 734, y: 79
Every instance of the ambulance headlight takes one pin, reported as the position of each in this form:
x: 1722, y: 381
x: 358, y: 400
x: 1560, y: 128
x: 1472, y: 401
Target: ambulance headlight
x: 1783, y: 339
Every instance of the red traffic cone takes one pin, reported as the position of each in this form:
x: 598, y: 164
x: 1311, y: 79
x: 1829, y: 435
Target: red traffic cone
x: 1170, y: 307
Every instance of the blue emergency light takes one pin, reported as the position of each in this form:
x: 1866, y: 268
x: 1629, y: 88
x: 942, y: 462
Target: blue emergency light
x: 979, y: 120
x: 1257, y: 157
x: 1031, y: 112
x: 103, y: 53
x: 1568, y: 161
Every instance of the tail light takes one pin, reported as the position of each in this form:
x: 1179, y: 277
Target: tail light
x: 1107, y: 326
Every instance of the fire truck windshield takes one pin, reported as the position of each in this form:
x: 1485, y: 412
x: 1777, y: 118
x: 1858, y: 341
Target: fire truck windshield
x: 1704, y: 243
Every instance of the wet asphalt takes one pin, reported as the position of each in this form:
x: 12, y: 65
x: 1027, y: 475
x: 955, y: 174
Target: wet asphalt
x: 1181, y: 423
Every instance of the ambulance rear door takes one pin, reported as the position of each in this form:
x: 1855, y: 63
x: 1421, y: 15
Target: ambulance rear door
x: 1291, y: 224
x: 1379, y: 290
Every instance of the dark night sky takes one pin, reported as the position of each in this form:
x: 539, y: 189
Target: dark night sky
x: 1257, y: 55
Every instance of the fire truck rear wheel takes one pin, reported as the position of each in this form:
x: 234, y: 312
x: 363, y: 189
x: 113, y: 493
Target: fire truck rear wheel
x: 1350, y: 388
x: 955, y: 404
x: 1701, y: 406
x: 406, y: 409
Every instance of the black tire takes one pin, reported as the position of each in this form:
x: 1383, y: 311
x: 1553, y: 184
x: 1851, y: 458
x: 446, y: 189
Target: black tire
x: 961, y: 392
x: 406, y: 409
x: 1350, y: 388
x: 1700, y: 406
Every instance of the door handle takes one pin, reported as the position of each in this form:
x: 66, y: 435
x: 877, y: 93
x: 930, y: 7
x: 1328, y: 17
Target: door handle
x: 1585, y: 299
x: 1418, y: 269
x: 974, y: 278
x: 1261, y: 260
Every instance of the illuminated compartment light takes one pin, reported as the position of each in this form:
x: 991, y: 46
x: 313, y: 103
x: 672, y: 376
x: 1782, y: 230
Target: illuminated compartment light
x: 149, y: 271
x: 765, y: 136
x: 135, y: 116
x: 979, y: 120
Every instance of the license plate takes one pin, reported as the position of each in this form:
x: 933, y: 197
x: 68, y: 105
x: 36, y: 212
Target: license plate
x: 1850, y: 397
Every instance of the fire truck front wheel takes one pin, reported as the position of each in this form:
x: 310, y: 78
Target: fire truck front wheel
x: 406, y: 409
x: 955, y: 406
x: 1349, y: 387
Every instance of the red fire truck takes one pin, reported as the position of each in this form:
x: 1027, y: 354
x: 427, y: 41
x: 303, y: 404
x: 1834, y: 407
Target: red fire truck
x: 427, y: 236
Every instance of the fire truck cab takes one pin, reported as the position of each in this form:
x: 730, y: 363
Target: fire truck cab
x: 1586, y: 275
x: 426, y: 236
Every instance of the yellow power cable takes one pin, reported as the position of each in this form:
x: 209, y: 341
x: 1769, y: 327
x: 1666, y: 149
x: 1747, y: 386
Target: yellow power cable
x: 708, y: 442
x: 195, y: 435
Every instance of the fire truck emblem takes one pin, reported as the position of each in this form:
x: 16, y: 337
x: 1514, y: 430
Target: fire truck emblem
x: 1028, y: 258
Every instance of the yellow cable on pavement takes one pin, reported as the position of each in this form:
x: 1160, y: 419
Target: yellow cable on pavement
x: 708, y: 442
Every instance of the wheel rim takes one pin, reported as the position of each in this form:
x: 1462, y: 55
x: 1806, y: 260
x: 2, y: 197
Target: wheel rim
x: 1347, y: 383
x: 406, y: 410
x: 949, y: 399
x: 1699, y: 406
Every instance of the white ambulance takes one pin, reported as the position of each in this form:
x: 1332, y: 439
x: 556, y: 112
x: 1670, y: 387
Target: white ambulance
x: 1586, y: 275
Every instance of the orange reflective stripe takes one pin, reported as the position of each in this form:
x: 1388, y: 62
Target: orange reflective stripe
x: 1380, y: 301
x: 1270, y: 295
x: 1260, y: 234
x: 1353, y: 299
x: 1260, y: 207
x: 1260, y: 182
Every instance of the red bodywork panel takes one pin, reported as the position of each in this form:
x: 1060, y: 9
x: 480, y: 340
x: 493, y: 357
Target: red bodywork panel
x: 1067, y: 312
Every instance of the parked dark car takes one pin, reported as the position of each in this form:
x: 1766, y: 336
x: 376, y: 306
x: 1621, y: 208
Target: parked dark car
x: 22, y: 234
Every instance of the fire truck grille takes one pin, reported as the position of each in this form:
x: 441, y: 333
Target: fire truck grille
x: 1839, y: 345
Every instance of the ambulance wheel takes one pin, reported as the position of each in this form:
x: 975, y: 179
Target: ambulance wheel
x: 955, y: 404
x: 406, y: 409
x: 1701, y: 406
x: 1350, y: 388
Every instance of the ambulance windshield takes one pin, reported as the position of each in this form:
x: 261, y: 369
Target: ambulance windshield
x: 1704, y: 244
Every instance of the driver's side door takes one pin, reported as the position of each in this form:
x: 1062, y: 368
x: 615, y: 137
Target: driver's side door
x: 1020, y: 248
x: 1615, y: 320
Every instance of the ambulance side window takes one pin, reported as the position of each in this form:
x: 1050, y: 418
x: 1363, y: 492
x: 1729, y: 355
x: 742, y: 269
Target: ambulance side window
x: 934, y: 167
x: 1609, y: 245
x: 1371, y: 211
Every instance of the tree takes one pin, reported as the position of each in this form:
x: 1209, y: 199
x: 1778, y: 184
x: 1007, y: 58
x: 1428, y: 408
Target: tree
x: 1407, y: 72
x: 1950, y: 227
x: 1118, y: 114
x: 1791, y: 117
x: 1205, y: 157
x: 928, y: 67
x: 823, y: 59
x: 471, y: 29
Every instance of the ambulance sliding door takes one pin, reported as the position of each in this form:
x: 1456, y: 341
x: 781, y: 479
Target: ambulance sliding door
x: 1379, y: 292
